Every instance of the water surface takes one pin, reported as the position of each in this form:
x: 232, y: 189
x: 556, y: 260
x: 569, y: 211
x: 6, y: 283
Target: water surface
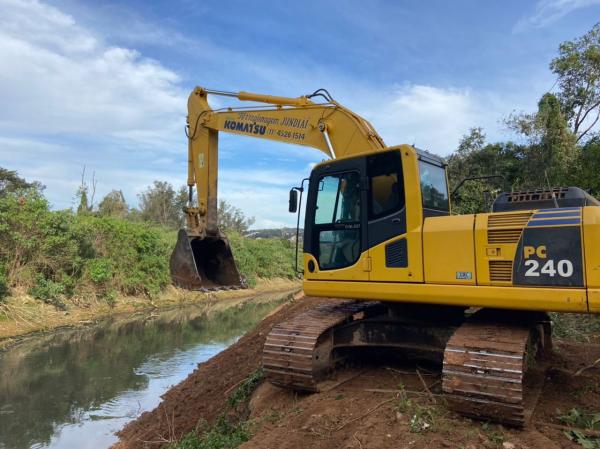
x: 75, y: 388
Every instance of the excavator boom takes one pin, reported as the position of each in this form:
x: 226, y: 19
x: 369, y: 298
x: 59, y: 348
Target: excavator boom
x: 202, y: 258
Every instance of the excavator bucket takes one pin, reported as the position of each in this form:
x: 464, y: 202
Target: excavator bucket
x: 204, y: 263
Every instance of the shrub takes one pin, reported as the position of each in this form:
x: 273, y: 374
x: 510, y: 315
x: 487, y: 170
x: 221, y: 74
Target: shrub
x: 58, y: 254
x: 48, y: 291
x: 100, y: 270
x: 263, y: 258
x: 3, y: 283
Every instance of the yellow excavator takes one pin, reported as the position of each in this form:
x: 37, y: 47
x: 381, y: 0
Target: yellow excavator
x: 469, y: 292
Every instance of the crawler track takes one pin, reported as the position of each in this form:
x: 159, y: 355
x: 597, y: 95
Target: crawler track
x: 298, y: 353
x: 485, y: 367
x: 486, y: 355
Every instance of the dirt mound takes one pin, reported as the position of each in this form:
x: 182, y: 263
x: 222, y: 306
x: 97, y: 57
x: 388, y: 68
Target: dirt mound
x: 388, y: 407
x: 203, y: 395
x: 364, y: 406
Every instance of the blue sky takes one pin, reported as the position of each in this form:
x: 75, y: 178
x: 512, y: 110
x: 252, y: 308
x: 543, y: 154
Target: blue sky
x: 104, y: 84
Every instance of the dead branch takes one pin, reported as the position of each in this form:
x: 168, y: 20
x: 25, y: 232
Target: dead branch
x: 346, y: 380
x: 579, y: 371
x: 364, y: 414
x: 427, y: 390
x: 390, y: 391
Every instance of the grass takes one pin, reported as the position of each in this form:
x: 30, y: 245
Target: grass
x: 422, y: 418
x: 493, y: 433
x: 581, y: 420
x: 575, y: 326
x: 229, y: 430
x: 223, y: 435
x: 243, y: 392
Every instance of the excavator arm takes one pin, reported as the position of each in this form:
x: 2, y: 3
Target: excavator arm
x: 202, y: 257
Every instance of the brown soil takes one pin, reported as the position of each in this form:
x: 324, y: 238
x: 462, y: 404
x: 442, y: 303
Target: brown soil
x: 203, y: 395
x: 348, y: 415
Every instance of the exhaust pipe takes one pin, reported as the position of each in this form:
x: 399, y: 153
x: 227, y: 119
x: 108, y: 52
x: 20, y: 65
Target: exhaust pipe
x: 204, y: 263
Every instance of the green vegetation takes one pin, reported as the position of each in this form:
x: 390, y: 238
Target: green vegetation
x: 57, y: 256
x: 223, y: 435
x: 582, y: 421
x: 243, y: 392
x: 230, y: 430
x: 577, y: 327
x: 557, y: 145
x: 263, y: 258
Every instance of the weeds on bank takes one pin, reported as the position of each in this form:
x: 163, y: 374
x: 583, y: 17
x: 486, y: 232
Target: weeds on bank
x: 63, y: 258
x: 230, y: 430
x: 244, y: 390
x: 574, y: 326
x: 581, y: 420
x: 493, y: 433
x: 223, y: 435
x: 422, y: 418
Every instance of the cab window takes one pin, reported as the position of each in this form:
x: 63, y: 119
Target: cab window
x: 337, y: 220
x: 434, y: 188
x: 386, y: 193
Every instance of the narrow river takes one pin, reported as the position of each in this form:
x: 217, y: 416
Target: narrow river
x: 75, y: 388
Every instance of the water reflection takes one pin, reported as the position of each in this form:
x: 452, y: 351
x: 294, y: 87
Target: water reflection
x: 75, y: 388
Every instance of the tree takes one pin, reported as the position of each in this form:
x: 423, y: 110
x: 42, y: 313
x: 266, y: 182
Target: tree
x: 578, y: 69
x: 113, y: 205
x: 86, y: 205
x: 230, y: 218
x: 10, y: 181
x: 552, y: 152
x: 159, y: 203
x: 476, y: 158
x: 557, y: 143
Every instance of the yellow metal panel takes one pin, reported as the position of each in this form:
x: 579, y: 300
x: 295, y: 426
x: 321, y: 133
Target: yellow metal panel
x: 357, y: 272
x: 412, y: 273
x: 594, y: 300
x: 591, y: 246
x: 497, y: 250
x: 414, y: 220
x: 481, y: 253
x: 449, y: 252
x: 518, y: 298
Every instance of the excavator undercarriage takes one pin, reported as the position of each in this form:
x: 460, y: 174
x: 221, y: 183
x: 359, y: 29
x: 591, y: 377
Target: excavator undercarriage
x: 487, y: 356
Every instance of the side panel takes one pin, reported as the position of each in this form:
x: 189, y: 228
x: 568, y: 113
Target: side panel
x: 518, y: 298
x: 357, y: 272
x: 449, y: 250
x: 496, y: 238
x: 550, y: 250
x: 591, y: 239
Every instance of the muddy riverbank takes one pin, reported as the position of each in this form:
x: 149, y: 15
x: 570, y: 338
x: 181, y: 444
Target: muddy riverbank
x: 23, y: 317
x: 368, y: 405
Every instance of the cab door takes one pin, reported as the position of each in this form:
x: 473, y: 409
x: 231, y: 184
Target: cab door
x: 335, y: 240
x: 394, y: 229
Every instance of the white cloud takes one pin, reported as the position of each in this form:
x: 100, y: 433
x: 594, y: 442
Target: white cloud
x: 434, y: 118
x: 57, y: 77
x: 74, y: 99
x: 550, y: 11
